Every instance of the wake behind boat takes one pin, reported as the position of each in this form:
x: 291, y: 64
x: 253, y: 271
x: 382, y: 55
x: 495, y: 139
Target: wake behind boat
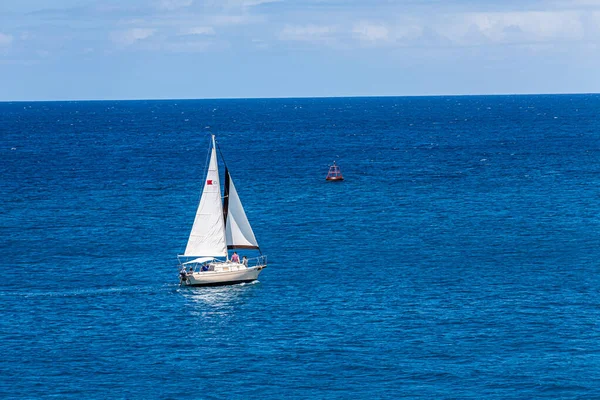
x: 220, y: 225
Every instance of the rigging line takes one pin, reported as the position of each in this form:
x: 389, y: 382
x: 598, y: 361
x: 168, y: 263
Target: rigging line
x: 206, y: 165
x: 221, y: 153
x: 207, y: 161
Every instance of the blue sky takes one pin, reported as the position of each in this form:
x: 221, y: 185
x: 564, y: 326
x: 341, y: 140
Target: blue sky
x: 157, y: 49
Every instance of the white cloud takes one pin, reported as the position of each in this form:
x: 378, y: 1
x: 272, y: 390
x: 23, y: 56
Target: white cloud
x: 185, y: 47
x: 5, y: 39
x: 239, y: 3
x: 259, y: 2
x: 309, y: 33
x: 394, y: 27
x: 171, y: 5
x: 594, y: 17
x: 366, y: 31
x: 252, y: 3
x: 408, y: 30
x: 577, y: 4
x: 131, y: 36
x: 260, y: 44
x: 199, y: 30
x: 326, y: 23
x: 227, y: 20
x: 510, y: 27
x: 544, y: 25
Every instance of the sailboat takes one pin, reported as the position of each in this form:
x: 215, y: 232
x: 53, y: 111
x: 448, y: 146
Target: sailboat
x: 220, y: 225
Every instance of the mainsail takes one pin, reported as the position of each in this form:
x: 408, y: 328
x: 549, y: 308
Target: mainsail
x: 208, y: 232
x: 238, y: 231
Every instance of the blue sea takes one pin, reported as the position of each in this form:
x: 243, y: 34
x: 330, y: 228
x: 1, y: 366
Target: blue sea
x: 459, y: 258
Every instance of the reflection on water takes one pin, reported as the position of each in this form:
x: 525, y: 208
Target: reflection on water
x: 216, y: 300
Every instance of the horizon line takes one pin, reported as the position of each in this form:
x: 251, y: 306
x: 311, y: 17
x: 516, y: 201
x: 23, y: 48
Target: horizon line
x: 297, y: 97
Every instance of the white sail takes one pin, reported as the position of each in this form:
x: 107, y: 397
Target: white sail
x: 208, y: 232
x: 238, y: 230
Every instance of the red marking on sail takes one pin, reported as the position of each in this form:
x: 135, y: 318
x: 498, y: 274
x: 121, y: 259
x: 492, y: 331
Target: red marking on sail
x: 209, y: 182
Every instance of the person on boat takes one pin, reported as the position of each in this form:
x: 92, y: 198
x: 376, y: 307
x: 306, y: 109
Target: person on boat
x: 235, y: 258
x: 191, y: 271
x: 183, y: 273
x: 245, y: 261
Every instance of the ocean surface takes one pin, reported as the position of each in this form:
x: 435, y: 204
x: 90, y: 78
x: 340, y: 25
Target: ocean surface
x: 459, y: 258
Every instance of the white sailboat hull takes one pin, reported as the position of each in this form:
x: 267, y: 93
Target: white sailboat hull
x: 222, y: 276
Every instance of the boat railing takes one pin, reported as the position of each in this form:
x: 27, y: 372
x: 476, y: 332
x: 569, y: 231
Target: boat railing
x: 210, y: 265
x: 256, y: 261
